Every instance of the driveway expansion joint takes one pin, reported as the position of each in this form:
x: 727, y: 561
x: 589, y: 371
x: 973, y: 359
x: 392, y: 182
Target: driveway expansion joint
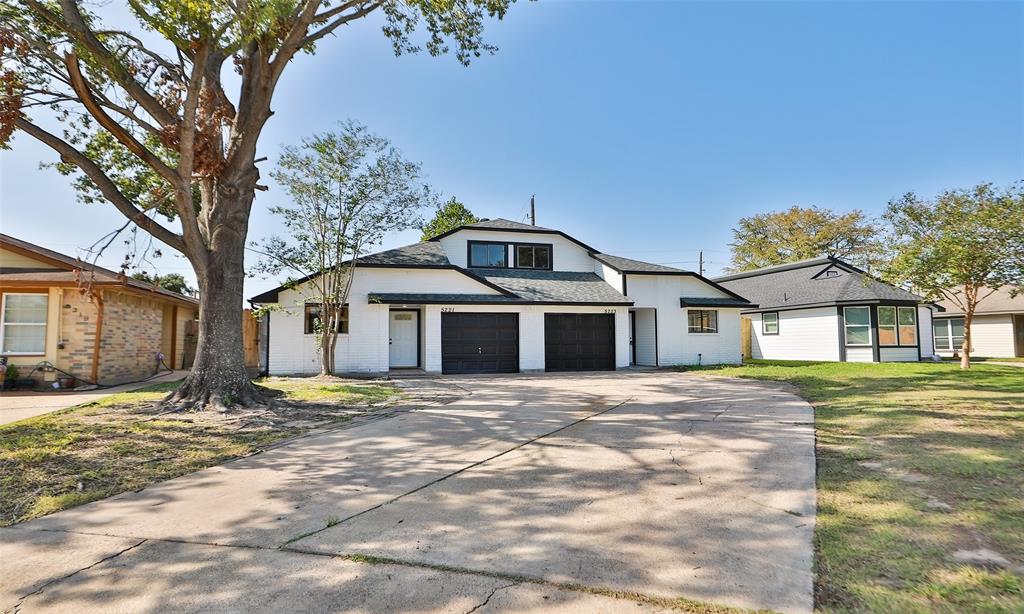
x: 457, y: 472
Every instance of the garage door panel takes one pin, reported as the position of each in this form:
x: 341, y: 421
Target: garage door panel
x: 579, y: 342
x: 479, y: 343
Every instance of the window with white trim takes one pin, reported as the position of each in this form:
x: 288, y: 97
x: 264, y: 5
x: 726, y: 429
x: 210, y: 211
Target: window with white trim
x: 770, y: 323
x: 857, y: 325
x: 702, y: 321
x: 23, y: 324
x: 948, y: 334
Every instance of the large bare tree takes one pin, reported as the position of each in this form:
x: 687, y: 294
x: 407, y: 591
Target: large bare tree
x: 162, y: 112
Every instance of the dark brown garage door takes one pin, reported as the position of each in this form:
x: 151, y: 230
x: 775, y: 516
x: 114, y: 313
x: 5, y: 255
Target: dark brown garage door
x: 579, y: 342
x: 479, y: 342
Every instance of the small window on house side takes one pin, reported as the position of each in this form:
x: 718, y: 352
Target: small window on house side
x: 857, y: 325
x: 770, y: 323
x: 887, y: 326
x: 702, y: 321
x: 831, y: 273
x: 312, y: 318
x: 533, y: 256
x: 23, y: 324
x: 488, y: 255
x: 908, y: 325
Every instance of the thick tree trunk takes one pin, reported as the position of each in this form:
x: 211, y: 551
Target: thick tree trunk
x: 326, y: 368
x: 218, y: 377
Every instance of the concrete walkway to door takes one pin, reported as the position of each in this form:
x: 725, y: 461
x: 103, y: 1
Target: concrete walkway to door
x: 550, y: 492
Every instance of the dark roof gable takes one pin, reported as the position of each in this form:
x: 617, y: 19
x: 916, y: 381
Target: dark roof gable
x: 801, y: 284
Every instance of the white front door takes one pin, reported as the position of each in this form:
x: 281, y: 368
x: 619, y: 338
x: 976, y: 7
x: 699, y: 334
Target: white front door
x: 403, y: 331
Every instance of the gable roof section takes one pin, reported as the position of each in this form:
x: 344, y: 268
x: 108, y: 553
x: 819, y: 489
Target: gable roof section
x: 556, y: 286
x: 798, y: 284
x: 628, y: 265
x: 422, y: 255
x: 68, y: 271
x: 503, y: 225
x: 999, y: 302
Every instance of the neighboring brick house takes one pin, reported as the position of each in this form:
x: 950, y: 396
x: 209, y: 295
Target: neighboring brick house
x: 94, y: 323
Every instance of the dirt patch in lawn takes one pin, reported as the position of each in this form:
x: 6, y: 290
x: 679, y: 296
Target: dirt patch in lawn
x: 128, y: 441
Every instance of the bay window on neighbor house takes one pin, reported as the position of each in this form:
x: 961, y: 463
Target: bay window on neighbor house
x: 702, y: 320
x: 770, y: 323
x: 23, y: 324
x: 948, y: 334
x: 857, y: 325
x: 312, y: 317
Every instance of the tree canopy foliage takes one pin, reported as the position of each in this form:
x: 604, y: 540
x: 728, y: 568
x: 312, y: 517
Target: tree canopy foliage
x: 348, y: 189
x: 962, y: 246
x: 799, y: 233
x: 175, y: 282
x: 448, y: 216
x: 160, y: 106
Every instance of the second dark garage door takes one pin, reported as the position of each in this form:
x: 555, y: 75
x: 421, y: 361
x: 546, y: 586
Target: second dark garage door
x: 479, y: 342
x: 579, y: 342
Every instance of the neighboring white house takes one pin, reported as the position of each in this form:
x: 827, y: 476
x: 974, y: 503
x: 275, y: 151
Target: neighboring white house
x: 997, y: 330
x: 827, y: 309
x: 502, y: 297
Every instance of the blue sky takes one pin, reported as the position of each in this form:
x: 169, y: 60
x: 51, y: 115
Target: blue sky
x: 647, y: 129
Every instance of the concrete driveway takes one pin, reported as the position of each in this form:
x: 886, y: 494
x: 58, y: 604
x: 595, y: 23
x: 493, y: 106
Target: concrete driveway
x: 583, y: 492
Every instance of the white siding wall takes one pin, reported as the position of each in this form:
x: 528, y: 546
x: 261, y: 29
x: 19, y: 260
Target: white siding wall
x: 610, y: 275
x: 646, y: 346
x: 675, y: 345
x: 365, y: 347
x: 991, y: 336
x: 567, y: 255
x: 804, y: 334
x: 924, y: 327
x: 890, y: 354
x: 860, y: 354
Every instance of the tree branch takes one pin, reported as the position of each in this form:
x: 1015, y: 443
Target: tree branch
x: 105, y: 185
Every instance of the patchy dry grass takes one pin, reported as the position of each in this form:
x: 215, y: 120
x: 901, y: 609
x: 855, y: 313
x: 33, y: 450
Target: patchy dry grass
x: 124, y: 442
x: 915, y: 463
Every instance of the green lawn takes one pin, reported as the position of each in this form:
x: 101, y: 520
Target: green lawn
x: 122, y: 442
x: 915, y: 463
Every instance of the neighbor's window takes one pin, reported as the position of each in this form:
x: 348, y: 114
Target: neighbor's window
x: 702, y: 320
x: 857, y: 325
x: 770, y: 323
x: 908, y: 325
x: 312, y: 318
x: 23, y: 324
x: 533, y: 256
x: 887, y: 326
x: 493, y: 255
x: 949, y: 334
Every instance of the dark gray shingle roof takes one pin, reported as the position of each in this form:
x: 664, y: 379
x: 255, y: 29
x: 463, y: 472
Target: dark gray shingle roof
x: 701, y: 301
x: 438, y: 298
x: 799, y: 284
x: 503, y: 224
x: 628, y: 265
x: 554, y: 286
x: 423, y: 253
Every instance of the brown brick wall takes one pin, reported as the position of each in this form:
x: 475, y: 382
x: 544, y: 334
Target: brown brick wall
x: 132, y: 327
x: 77, y: 333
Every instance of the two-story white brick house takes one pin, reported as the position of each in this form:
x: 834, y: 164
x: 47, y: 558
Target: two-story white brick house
x: 503, y: 297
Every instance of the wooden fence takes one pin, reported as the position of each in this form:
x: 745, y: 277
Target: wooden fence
x: 745, y: 343
x: 251, y: 341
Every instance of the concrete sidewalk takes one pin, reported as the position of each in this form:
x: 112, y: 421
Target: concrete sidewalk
x: 18, y: 405
x: 590, y: 492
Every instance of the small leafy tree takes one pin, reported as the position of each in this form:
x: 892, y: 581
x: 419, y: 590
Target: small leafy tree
x: 348, y: 188
x: 175, y: 282
x: 448, y: 216
x: 167, y: 100
x: 962, y: 246
x: 799, y: 233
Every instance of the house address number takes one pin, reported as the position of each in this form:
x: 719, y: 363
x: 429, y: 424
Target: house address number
x: 609, y: 310
x: 447, y: 309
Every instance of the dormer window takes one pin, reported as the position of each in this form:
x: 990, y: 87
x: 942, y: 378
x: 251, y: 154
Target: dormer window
x: 488, y: 255
x: 533, y: 256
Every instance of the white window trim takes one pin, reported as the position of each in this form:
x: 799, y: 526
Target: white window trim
x: 947, y: 325
x: 4, y: 324
x: 846, y: 325
x: 764, y: 329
